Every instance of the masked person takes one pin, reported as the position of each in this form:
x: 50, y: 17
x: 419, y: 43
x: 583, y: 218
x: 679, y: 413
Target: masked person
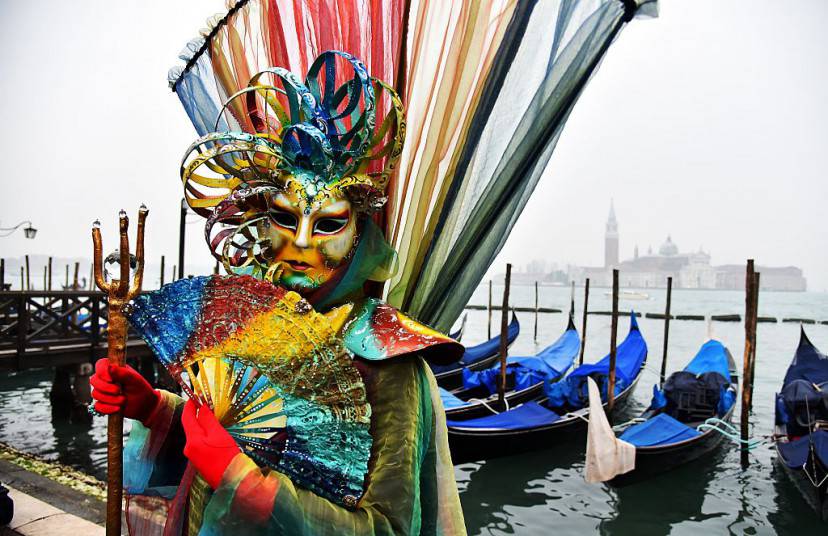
x: 290, y: 199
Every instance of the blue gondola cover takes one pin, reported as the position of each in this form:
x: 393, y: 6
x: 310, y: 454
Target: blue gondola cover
x: 528, y: 415
x: 548, y: 365
x: 660, y: 430
x: 795, y: 453
x: 804, y: 396
x: 711, y: 357
x: 449, y: 400
x: 808, y: 364
x: 630, y: 356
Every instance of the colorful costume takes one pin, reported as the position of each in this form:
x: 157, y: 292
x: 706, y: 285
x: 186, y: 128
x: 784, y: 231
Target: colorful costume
x: 291, y: 175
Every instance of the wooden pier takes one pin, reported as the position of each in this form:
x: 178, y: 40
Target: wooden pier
x: 55, y: 328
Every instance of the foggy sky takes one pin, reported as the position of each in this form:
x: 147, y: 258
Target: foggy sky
x: 709, y: 123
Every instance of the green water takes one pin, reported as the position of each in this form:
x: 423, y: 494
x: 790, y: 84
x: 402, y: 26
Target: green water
x: 544, y: 492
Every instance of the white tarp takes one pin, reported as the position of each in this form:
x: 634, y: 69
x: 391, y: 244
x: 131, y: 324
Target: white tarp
x: 606, y: 455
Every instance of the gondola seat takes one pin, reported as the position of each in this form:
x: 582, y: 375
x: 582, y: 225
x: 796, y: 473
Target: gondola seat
x: 694, y: 398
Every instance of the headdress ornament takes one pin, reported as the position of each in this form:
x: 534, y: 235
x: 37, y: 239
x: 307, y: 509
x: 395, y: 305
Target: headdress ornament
x: 320, y: 137
x: 322, y: 133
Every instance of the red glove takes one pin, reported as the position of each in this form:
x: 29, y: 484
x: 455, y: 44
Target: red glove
x: 209, y: 447
x: 117, y: 389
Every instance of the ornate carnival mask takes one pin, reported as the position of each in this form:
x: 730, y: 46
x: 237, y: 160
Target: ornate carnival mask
x: 288, y: 190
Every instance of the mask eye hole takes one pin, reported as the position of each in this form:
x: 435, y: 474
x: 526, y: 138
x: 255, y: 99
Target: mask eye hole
x: 328, y: 226
x: 284, y: 219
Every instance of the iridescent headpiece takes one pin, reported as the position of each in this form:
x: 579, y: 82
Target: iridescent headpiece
x: 320, y: 137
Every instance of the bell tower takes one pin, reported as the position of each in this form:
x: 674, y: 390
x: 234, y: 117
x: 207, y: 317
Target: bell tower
x: 611, y: 239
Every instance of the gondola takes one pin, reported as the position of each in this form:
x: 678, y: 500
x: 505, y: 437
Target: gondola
x: 801, y: 430
x: 525, y: 377
x: 560, y: 416
x: 477, y: 357
x: 668, y: 437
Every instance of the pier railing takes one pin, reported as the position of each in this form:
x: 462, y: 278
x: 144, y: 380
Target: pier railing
x: 50, y: 328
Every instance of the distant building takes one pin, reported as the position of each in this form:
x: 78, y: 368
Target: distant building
x: 611, y: 239
x: 688, y: 270
x: 540, y: 271
x: 732, y: 276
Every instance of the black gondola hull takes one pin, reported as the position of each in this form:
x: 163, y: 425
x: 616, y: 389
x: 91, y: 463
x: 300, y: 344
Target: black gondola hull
x: 469, y: 445
x: 479, y: 409
x: 652, y: 461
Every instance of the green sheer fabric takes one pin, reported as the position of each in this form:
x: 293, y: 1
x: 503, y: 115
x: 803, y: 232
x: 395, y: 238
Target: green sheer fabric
x: 539, y: 68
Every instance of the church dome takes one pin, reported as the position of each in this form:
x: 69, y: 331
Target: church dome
x: 668, y: 248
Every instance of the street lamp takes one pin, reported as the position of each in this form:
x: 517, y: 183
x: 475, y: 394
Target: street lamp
x: 28, y: 231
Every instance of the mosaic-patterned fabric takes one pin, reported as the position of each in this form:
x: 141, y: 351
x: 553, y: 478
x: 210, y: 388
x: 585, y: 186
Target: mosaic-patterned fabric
x: 274, y: 372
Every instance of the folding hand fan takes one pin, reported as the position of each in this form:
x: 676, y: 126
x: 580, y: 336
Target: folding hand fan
x: 272, y: 369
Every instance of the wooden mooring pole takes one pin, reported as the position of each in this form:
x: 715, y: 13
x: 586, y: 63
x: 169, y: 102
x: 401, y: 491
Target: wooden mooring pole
x: 2, y: 274
x: 536, y: 312
x: 613, y: 346
x: 666, y: 329
x: 489, y: 329
x: 584, y: 323
x: 75, y: 278
x: 751, y: 301
x: 45, y: 274
x: 28, y: 279
x: 66, y: 286
x: 504, y: 338
x: 755, y: 320
x: 50, y: 273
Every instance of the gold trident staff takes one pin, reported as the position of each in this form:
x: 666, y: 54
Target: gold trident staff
x: 120, y: 292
